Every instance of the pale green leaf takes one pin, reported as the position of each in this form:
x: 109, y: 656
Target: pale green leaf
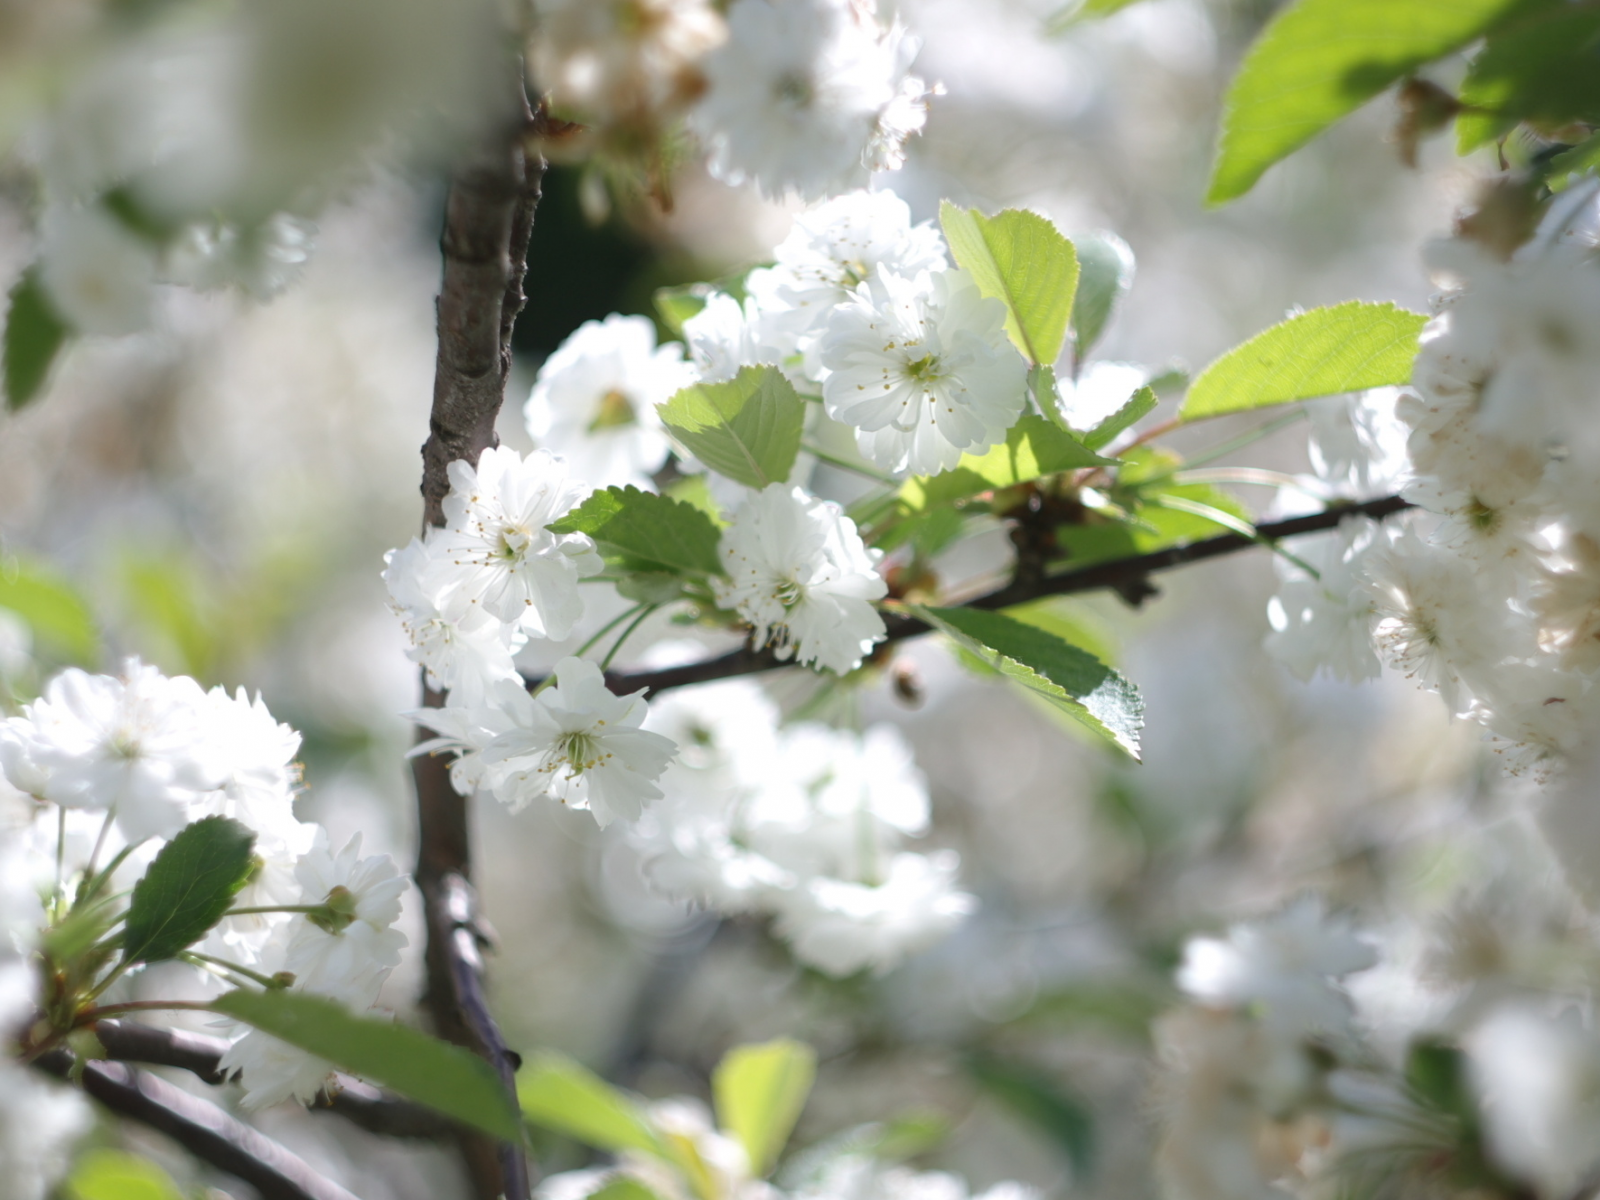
x: 759, y: 1092
x: 1105, y: 273
x: 1022, y: 260
x: 446, y: 1078
x: 1083, y: 10
x: 1073, y: 680
x: 115, y: 1175
x: 187, y: 888
x: 1320, y: 60
x: 646, y: 531
x: 561, y: 1095
x: 1544, y: 69
x: 747, y: 428
x: 1570, y: 165
x: 1033, y: 448
x: 675, y: 305
x: 34, y: 335
x: 56, y: 615
x: 1344, y: 348
x: 1138, y: 406
x: 622, y: 1187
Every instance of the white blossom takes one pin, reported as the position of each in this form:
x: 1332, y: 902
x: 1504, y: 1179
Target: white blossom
x: 1358, y: 444
x: 725, y: 336
x: 40, y: 1120
x: 578, y: 743
x: 923, y: 369
x: 808, y: 96
x: 496, y: 538
x: 99, y: 275
x: 1325, y: 623
x: 798, y: 571
x: 594, y: 402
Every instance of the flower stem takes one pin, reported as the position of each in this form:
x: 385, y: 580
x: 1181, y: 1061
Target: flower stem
x: 626, y: 634
x: 845, y: 464
x: 234, y: 968
x: 90, y: 1015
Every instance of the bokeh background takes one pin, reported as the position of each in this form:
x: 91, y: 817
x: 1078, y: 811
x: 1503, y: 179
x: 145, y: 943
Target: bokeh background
x: 224, y: 489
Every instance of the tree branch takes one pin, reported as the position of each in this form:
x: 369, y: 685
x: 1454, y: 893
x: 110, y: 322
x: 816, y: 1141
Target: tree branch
x: 371, y: 1108
x: 488, y: 219
x: 203, y: 1129
x: 1128, y: 576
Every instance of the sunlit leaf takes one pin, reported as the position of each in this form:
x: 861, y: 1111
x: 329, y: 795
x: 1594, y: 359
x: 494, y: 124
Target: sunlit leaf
x: 1033, y: 448
x: 1022, y: 260
x: 759, y: 1092
x: 1138, y: 406
x: 647, y: 531
x: 747, y: 428
x: 115, y: 1175
x: 1541, y: 69
x: 56, y: 615
x: 1105, y: 273
x: 561, y: 1095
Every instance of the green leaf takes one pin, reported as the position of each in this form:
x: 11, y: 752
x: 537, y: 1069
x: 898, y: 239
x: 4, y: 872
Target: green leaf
x: 1070, y: 620
x: 747, y: 429
x: 759, y: 1092
x: 51, y: 608
x: 1083, y: 10
x: 1319, y: 60
x: 446, y: 1078
x: 1022, y: 260
x: 1043, y: 1103
x: 623, y: 1187
x: 1035, y: 447
x: 1138, y: 406
x: 1562, y: 170
x: 648, y: 531
x: 113, y: 1175
x: 1073, y: 680
x: 187, y: 888
x: 1105, y: 273
x: 1344, y: 348
x: 34, y: 336
x: 677, y: 304
x: 886, y: 1142
x: 1544, y: 69
x: 561, y: 1095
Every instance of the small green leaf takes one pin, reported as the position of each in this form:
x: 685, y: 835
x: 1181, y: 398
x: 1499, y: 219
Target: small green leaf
x: 446, y: 1078
x: 1105, y: 273
x: 561, y: 1095
x: 649, y: 532
x: 747, y: 429
x: 1034, y: 448
x: 114, y: 1175
x: 623, y: 1187
x: 1544, y: 69
x: 1344, y: 348
x: 1073, y: 680
x: 1138, y: 406
x: 759, y: 1092
x: 1083, y: 10
x: 34, y: 336
x: 187, y: 888
x: 1562, y: 170
x: 1043, y: 1103
x: 1319, y: 60
x: 887, y: 1142
x: 1022, y: 260
x: 677, y: 304
x: 54, y: 612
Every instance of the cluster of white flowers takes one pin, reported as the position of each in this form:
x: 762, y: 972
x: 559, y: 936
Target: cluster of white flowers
x: 1490, y: 594
x: 804, y: 823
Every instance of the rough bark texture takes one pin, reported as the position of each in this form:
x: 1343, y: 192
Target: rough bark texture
x: 488, y: 218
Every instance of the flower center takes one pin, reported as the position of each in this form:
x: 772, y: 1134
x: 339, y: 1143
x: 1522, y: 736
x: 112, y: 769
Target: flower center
x: 615, y: 411
x: 579, y: 751
x: 925, y: 369
x: 513, y: 542
x: 794, y: 89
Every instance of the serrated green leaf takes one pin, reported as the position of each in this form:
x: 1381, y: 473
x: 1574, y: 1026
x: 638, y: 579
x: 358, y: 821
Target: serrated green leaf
x: 1542, y: 69
x: 1319, y: 60
x: 1343, y: 348
x: 1073, y: 680
x: 1022, y: 260
x: 54, y: 612
x: 759, y: 1091
x: 34, y: 336
x: 1043, y: 1103
x: 446, y: 1078
x: 1105, y: 273
x: 187, y: 888
x: 1138, y: 406
x: 561, y: 1095
x: 650, y: 532
x: 747, y: 429
x: 114, y: 1175
x: 1033, y: 448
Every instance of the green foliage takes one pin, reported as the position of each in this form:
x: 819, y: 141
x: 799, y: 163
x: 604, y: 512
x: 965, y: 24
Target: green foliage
x: 1105, y: 273
x: 1072, y: 680
x: 622, y: 1187
x: 1139, y: 406
x: 1043, y: 1103
x: 1343, y: 348
x: 747, y: 429
x: 1083, y: 10
x: 1033, y: 449
x: 759, y: 1092
x: 892, y: 1141
x: 1564, y: 168
x: 561, y: 1095
x: 1124, y: 1010
x: 54, y: 612
x: 446, y: 1078
x: 675, y: 305
x: 114, y: 1175
x: 1320, y: 60
x: 34, y: 336
x: 187, y: 888
x: 646, y: 532
x: 1542, y: 69
x: 1071, y: 620
x: 1022, y: 260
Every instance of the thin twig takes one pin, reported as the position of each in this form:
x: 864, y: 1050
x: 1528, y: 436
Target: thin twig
x: 201, y: 1128
x: 1128, y: 576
